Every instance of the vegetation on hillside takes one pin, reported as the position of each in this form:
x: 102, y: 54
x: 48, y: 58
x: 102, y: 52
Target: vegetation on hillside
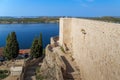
x: 38, y: 76
x: 28, y: 20
x: 11, y: 49
x: 107, y: 19
x: 37, y: 47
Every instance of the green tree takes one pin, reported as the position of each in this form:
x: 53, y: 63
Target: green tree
x: 11, y: 49
x: 33, y: 51
x: 40, y: 43
x: 37, y: 48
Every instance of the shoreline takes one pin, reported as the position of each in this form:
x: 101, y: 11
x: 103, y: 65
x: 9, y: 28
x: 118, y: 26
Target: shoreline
x: 32, y: 23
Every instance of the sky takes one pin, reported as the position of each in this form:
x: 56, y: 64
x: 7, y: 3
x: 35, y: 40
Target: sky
x: 81, y: 8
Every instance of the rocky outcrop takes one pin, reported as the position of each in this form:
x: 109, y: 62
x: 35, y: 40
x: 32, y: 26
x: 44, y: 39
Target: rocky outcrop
x: 52, y: 67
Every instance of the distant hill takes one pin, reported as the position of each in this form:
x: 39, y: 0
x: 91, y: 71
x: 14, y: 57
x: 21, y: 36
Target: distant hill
x: 106, y: 19
x: 22, y: 20
x: 50, y: 19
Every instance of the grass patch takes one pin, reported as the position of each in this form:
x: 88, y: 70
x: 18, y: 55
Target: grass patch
x: 38, y: 76
x: 37, y: 70
x: 62, y: 49
x: 4, y: 74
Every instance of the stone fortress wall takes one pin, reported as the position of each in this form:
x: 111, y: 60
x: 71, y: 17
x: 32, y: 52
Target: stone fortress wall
x: 95, y: 46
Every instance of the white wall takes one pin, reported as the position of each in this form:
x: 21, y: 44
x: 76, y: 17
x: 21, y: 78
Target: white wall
x: 98, y: 51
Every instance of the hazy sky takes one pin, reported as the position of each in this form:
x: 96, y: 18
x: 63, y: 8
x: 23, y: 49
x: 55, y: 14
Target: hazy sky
x: 59, y: 7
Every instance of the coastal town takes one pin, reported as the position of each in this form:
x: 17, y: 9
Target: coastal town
x: 15, y: 62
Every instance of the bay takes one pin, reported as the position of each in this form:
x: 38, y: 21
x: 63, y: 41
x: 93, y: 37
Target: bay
x: 27, y: 32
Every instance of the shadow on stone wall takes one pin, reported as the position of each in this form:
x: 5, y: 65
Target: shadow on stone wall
x: 69, y: 69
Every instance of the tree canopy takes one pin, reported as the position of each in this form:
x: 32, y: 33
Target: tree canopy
x: 11, y: 49
x: 37, y: 47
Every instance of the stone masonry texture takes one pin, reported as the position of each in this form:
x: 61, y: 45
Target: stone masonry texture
x: 95, y: 46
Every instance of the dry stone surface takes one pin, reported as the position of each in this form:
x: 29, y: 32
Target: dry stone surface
x: 95, y: 46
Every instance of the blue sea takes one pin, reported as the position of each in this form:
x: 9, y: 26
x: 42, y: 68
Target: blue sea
x: 27, y: 32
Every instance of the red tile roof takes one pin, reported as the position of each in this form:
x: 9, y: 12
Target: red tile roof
x: 21, y: 51
x: 1, y: 51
